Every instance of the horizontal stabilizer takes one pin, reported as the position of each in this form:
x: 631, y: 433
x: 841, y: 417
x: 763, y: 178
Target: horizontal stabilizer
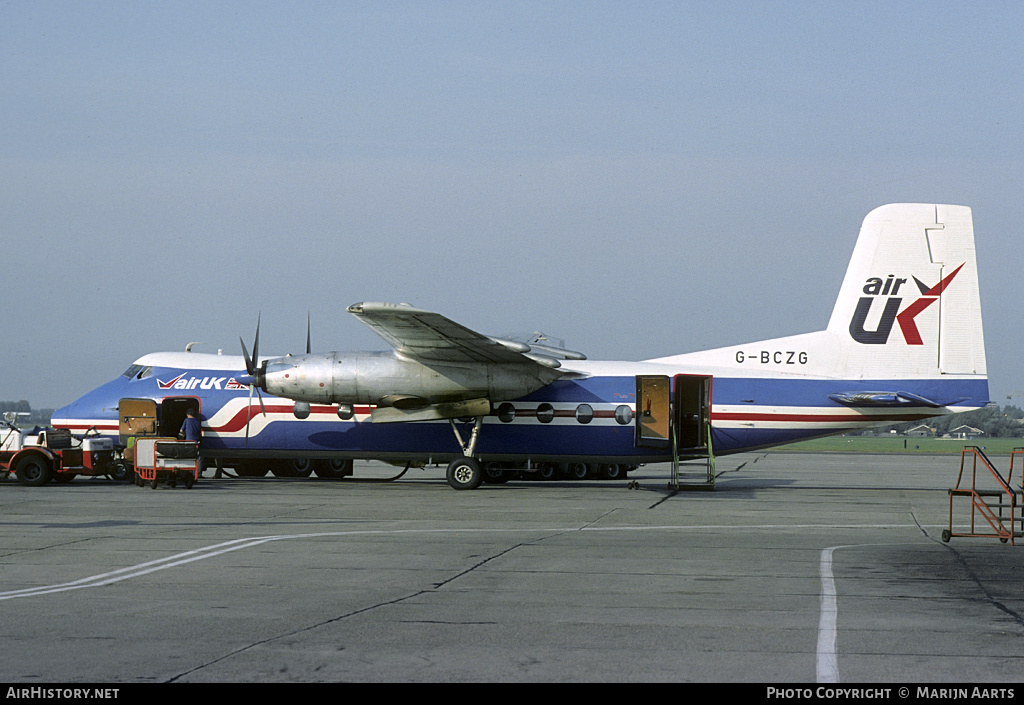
x: 875, y: 399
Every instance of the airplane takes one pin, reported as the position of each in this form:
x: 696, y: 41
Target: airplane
x: 904, y: 342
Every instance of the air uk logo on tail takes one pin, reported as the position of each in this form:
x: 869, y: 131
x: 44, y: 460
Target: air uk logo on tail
x: 876, y: 288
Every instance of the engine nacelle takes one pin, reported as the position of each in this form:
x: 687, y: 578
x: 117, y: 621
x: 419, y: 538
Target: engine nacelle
x: 376, y: 378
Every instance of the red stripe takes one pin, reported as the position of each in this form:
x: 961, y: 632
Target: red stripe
x: 237, y: 422
x: 823, y: 418
x: 86, y: 427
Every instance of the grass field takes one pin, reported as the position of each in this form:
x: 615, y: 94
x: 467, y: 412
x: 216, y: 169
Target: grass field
x: 902, y: 444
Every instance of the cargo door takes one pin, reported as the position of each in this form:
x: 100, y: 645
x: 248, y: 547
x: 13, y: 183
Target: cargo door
x: 136, y: 417
x: 653, y: 411
x: 173, y: 411
x: 693, y: 413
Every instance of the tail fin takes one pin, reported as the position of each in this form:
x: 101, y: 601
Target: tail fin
x: 909, y: 306
x: 906, y: 328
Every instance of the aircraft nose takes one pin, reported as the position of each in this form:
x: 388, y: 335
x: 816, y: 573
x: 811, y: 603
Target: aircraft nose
x: 63, y: 413
x: 97, y: 408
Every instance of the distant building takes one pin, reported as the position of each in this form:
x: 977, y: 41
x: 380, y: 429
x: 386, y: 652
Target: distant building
x: 921, y: 431
x: 965, y: 431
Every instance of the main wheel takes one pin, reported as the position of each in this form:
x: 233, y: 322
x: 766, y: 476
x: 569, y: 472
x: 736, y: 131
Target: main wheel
x: 335, y: 469
x: 578, y: 471
x: 302, y: 467
x: 464, y: 474
x: 494, y: 474
x: 33, y: 471
x: 547, y: 471
x: 613, y: 471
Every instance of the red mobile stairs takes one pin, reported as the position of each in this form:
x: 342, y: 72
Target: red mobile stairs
x: 996, y: 505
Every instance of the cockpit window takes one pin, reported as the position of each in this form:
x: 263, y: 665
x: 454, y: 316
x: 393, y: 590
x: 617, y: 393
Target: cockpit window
x: 138, y: 372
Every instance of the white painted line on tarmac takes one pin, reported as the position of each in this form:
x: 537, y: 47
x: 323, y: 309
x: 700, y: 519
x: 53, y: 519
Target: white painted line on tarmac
x: 827, y: 667
x: 140, y: 569
x: 199, y: 554
x: 218, y: 549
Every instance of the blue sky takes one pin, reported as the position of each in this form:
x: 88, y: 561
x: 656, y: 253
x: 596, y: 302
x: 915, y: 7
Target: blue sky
x: 639, y: 179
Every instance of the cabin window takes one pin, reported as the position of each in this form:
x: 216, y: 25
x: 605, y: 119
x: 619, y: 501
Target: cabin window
x: 506, y: 412
x: 584, y: 413
x: 623, y: 414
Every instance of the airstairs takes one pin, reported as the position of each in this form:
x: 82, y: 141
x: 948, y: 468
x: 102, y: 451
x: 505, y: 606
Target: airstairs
x: 695, y: 473
x: 995, y: 502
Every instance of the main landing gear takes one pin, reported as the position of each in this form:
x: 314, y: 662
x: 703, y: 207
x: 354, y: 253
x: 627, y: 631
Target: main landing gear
x: 465, y: 473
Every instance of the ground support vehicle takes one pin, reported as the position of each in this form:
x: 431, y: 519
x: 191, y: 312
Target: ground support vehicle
x: 166, y: 460
x: 54, y: 454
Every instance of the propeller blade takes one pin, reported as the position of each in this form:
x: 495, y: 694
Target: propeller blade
x: 252, y: 362
x: 260, y: 397
x: 248, y: 414
x: 250, y: 370
x: 308, y: 347
x: 256, y: 343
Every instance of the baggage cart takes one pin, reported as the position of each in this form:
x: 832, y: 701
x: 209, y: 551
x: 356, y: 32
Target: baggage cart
x: 166, y: 460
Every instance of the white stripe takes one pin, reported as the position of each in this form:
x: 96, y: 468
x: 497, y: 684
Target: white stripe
x: 238, y: 544
x: 827, y: 667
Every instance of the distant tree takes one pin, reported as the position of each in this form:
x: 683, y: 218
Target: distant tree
x: 993, y: 421
x: 19, y: 406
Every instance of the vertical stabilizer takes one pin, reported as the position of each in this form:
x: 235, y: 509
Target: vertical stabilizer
x: 909, y: 305
x: 906, y: 325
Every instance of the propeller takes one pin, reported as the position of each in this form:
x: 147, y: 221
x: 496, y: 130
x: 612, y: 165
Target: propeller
x: 252, y: 369
x: 255, y: 371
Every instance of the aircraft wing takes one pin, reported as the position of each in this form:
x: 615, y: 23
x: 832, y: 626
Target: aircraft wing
x: 430, y: 337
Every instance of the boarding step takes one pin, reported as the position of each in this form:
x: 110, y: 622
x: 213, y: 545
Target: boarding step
x: 697, y: 475
x: 996, y: 504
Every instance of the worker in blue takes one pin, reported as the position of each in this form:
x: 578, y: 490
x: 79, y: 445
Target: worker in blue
x: 191, y: 430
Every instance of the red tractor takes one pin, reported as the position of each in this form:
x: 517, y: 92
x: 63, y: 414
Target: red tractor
x: 54, y: 454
